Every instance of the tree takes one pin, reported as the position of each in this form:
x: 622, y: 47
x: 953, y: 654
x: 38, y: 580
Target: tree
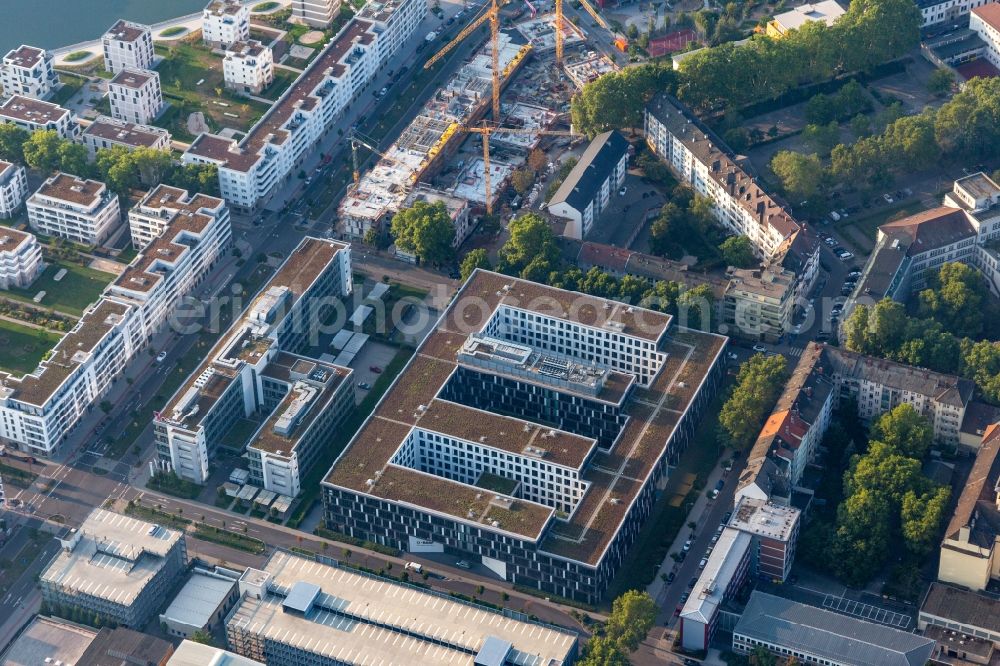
x: 940, y: 81
x: 981, y: 363
x: 969, y: 124
x: 202, y: 636
x: 602, y: 651
x: 695, y: 307
x: 632, y: 616
x: 759, y: 380
x: 738, y: 251
x: 114, y: 165
x: 904, y: 429
x: 956, y: 296
x: 921, y: 517
x: 153, y: 165
x: 474, y: 259
x: 761, y: 656
x: 522, y: 180
x: 531, y: 240
x: 822, y: 138
x: 73, y: 159
x: 876, y: 330
x: 12, y: 140
x: 41, y: 150
x: 617, y: 100
x: 800, y: 174
x: 537, y: 160
x: 425, y: 230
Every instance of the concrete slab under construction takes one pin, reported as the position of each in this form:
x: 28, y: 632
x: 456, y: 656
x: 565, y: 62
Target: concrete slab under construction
x: 541, y: 32
x: 471, y: 183
x: 460, y: 101
x: 587, y: 67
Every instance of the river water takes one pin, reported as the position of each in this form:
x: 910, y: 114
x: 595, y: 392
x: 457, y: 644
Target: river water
x: 55, y: 23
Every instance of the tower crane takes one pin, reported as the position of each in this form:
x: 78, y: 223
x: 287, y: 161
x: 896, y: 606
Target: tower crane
x: 560, y: 21
x: 491, y: 14
x: 356, y: 140
x: 485, y: 130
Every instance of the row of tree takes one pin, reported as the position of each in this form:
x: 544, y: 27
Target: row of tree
x: 966, y: 128
x: 757, y: 388
x: 618, y: 100
x: 119, y: 168
x: 887, y: 500
x: 870, y: 33
x: 955, y: 304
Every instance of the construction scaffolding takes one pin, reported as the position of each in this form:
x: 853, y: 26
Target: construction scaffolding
x: 588, y: 67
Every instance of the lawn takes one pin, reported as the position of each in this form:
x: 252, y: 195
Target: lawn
x: 192, y: 79
x: 80, y: 287
x: 283, y: 78
x: 71, y: 84
x: 22, y: 348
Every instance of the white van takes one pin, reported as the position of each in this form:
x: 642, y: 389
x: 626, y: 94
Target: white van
x: 415, y: 567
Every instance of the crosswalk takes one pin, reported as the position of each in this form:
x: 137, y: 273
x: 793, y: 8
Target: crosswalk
x: 793, y: 352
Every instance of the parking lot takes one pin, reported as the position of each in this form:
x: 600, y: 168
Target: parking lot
x: 621, y: 224
x: 372, y: 355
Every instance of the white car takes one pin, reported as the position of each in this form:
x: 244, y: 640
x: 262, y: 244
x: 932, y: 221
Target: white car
x: 161, y: 357
x: 759, y: 348
x: 623, y: 190
x: 887, y: 198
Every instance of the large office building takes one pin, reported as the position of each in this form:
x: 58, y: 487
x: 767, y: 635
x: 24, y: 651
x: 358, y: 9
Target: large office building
x: 13, y: 188
x: 127, y: 45
x: 825, y: 377
x: 20, y: 258
x: 248, y: 67
x: 315, y: 13
x: 252, y: 168
x: 256, y: 367
x: 32, y: 115
x: 303, y: 611
x: 225, y: 22
x: 529, y: 432
x: 116, y: 567
x: 587, y: 190
x: 106, y: 132
x: 816, y: 636
x: 759, y: 542
x: 28, y: 71
x: 82, y: 211
x: 39, y: 409
x: 135, y: 96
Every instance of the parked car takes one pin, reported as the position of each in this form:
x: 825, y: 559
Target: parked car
x: 725, y: 518
x: 671, y: 577
x: 714, y: 493
x: 888, y: 199
x: 854, y: 274
x: 414, y: 567
x: 759, y: 348
x: 687, y: 546
x: 161, y: 357
x: 692, y: 582
x: 701, y: 565
x: 623, y: 190
x: 685, y: 596
x: 374, y: 368
x: 364, y: 386
x: 463, y: 564
x: 715, y: 539
x: 720, y: 485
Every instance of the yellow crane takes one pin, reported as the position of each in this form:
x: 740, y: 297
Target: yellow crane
x: 491, y: 14
x: 485, y: 130
x: 560, y: 21
x: 356, y: 140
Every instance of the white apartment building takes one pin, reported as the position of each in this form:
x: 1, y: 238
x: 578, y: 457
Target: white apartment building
x: 20, y: 258
x: 39, y: 409
x: 759, y: 303
x: 32, y: 114
x: 941, y: 11
x: 587, y: 190
x: 315, y: 13
x: 985, y: 20
x: 83, y: 211
x: 192, y: 233
x: 255, y: 368
x: 106, y: 132
x: 28, y: 71
x: 127, y: 45
x: 136, y: 96
x: 165, y: 206
x: 248, y: 66
x: 741, y: 205
x: 225, y: 22
x: 252, y: 168
x: 13, y: 188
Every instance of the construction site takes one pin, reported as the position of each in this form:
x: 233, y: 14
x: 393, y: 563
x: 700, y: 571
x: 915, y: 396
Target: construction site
x: 477, y: 129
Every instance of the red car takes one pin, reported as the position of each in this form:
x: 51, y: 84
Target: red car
x: 374, y: 368
x: 677, y: 611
